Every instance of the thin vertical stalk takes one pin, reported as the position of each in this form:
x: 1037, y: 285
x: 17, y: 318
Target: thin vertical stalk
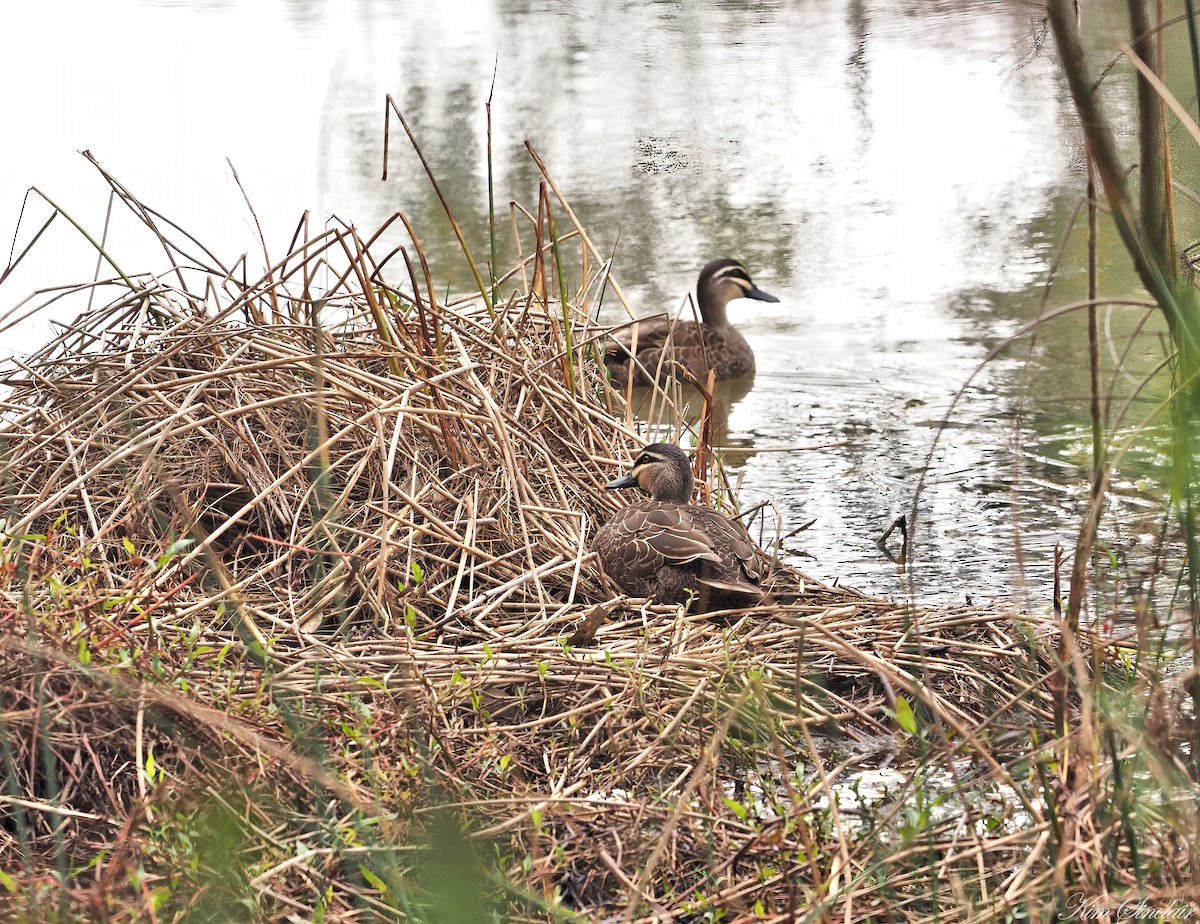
x: 1157, y: 216
x: 1168, y: 179
x: 1091, y: 522
x: 1151, y: 132
x: 491, y: 181
x: 568, y: 334
x: 1151, y: 268
x: 1194, y: 46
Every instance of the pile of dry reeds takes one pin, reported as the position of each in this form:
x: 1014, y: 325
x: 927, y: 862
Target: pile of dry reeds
x: 298, y: 620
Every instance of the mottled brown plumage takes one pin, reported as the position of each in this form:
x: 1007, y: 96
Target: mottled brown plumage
x: 674, y: 551
x: 714, y: 343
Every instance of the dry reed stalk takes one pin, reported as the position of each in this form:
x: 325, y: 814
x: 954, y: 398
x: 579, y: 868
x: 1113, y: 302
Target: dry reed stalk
x: 397, y: 494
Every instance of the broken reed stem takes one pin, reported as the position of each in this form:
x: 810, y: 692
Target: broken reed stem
x: 430, y: 292
x: 484, y: 290
x: 78, y: 227
x: 617, y: 290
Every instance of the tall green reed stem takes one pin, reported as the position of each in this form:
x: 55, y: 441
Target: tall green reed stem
x: 562, y: 290
x: 491, y: 181
x: 1194, y: 46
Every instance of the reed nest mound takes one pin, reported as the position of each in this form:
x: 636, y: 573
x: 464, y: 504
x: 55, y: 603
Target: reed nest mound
x: 299, y: 622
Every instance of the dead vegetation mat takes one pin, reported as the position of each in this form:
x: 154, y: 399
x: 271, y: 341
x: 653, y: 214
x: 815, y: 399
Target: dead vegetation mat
x: 298, y: 622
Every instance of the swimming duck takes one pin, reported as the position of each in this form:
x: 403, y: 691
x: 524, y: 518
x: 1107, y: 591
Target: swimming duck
x: 674, y: 551
x: 714, y: 343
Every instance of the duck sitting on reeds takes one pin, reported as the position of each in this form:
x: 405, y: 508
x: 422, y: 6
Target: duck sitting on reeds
x: 671, y: 550
x: 649, y: 350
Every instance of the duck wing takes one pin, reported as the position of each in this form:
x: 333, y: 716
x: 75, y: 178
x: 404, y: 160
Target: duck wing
x: 661, y: 344
x: 671, y: 533
x: 658, y: 342
x: 740, y: 567
x: 647, y: 541
x: 662, y: 549
x: 650, y: 334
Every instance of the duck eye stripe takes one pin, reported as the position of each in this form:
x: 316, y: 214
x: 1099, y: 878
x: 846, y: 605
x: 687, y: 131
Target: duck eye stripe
x: 732, y: 274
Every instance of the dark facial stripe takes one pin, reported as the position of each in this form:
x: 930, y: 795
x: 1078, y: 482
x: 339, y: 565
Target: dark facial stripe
x: 647, y: 458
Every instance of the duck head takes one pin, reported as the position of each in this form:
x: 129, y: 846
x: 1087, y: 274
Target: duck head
x: 721, y: 281
x: 663, y: 471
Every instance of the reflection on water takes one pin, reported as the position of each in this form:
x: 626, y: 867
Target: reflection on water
x: 899, y: 174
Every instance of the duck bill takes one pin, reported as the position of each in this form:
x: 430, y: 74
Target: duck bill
x: 626, y: 482
x: 759, y: 295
